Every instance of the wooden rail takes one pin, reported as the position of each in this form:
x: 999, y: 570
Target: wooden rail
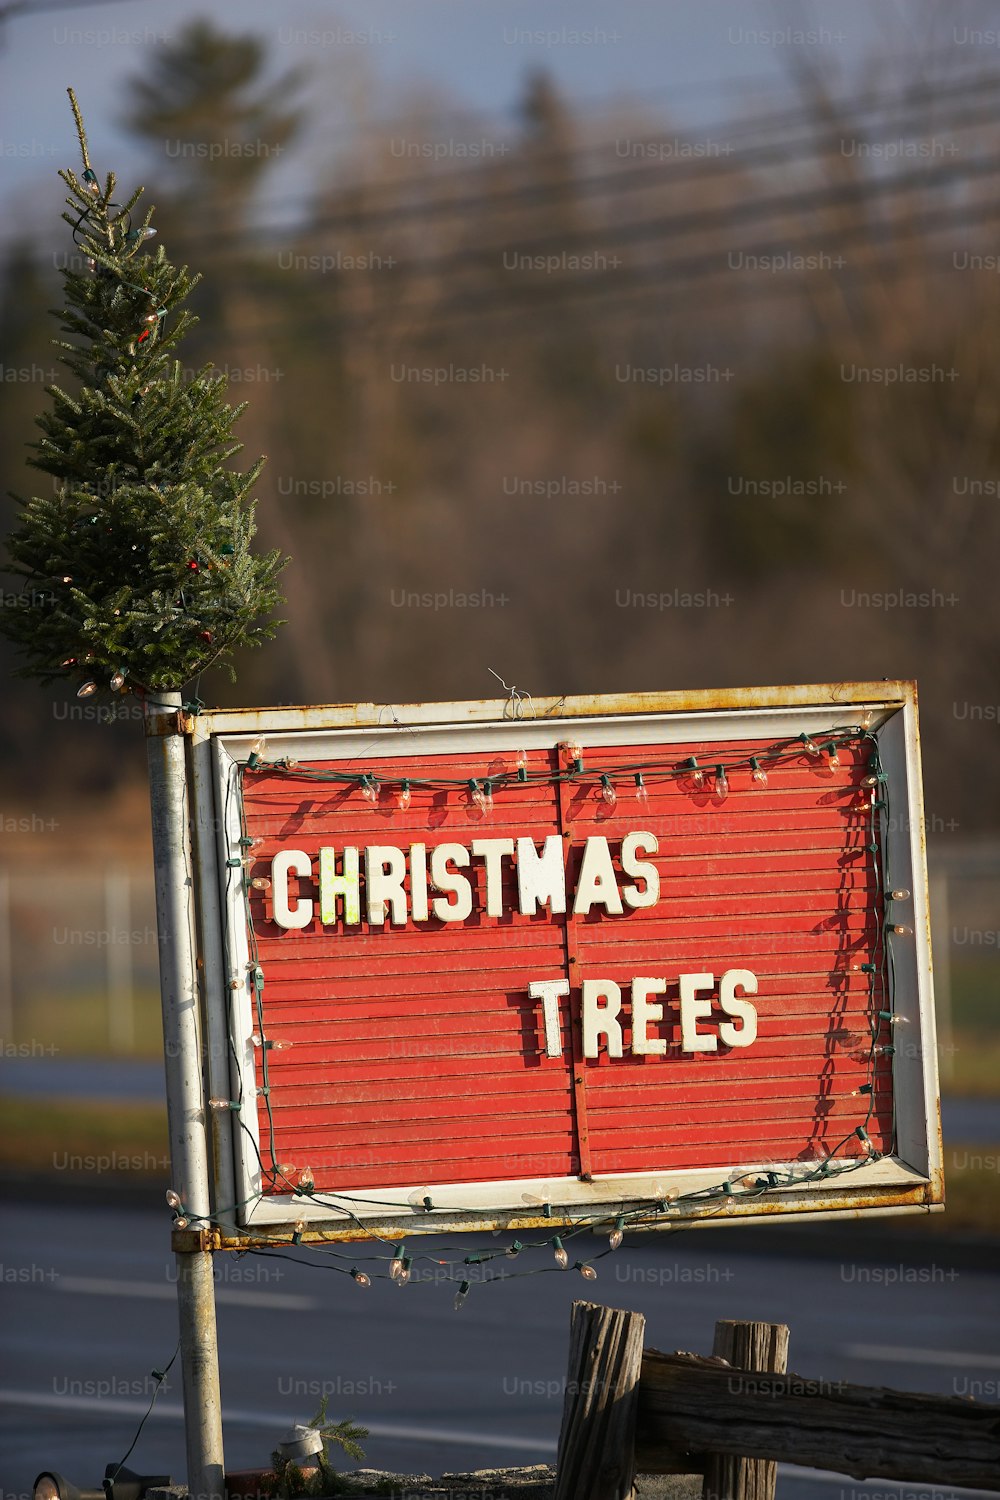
x: 733, y: 1416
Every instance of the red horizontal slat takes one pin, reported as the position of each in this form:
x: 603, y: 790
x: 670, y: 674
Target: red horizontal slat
x: 416, y: 1050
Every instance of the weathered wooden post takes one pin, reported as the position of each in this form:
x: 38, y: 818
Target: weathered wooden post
x: 760, y: 1347
x: 597, y: 1441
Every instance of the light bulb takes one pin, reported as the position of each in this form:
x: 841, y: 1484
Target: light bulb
x: 261, y: 883
x: 587, y: 1272
x: 514, y: 1248
x: 574, y: 751
x: 360, y: 1277
x: 900, y: 929
x: 404, y: 1271
x: 86, y: 689
x: 220, y: 1104
x: 757, y: 772
x: 894, y: 1018
x: 697, y: 774
x: 900, y: 895
x: 370, y: 788
x: 562, y: 1259
x: 284, y: 1168
x: 461, y: 1294
x: 403, y: 800
x: 721, y: 783
x: 91, y: 263
x: 608, y: 792
x: 90, y: 178
x: 832, y: 758
x: 291, y: 764
x: 258, y: 750
x: 522, y: 765
x: 809, y: 745
x: 182, y: 1222
x: 299, y: 1226
x: 617, y: 1234
x: 306, y: 1180
x: 884, y: 1049
x: 67, y: 578
x: 641, y: 790
x: 396, y: 1265
x: 173, y: 1199
x: 482, y: 796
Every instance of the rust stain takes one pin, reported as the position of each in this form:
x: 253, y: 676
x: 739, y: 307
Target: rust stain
x: 889, y: 695
x: 846, y: 1205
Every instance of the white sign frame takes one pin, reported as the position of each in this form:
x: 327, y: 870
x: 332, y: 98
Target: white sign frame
x: 909, y: 1181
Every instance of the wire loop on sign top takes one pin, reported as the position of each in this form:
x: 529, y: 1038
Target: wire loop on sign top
x: 513, y: 707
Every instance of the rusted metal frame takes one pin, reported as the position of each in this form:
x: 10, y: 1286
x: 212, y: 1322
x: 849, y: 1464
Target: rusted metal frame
x: 885, y: 700
x: 277, y: 1234
x: 215, y: 992
x: 877, y: 695
x: 575, y: 977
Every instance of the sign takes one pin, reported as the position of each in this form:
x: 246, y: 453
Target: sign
x: 666, y: 954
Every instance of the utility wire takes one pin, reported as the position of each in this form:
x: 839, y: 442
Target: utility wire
x: 619, y: 180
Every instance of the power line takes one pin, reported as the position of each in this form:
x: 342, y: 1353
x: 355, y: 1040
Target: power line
x: 621, y: 179
x: 677, y: 225
x: 679, y: 275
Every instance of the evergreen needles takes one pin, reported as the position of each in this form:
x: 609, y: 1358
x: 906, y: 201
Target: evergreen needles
x: 138, y: 568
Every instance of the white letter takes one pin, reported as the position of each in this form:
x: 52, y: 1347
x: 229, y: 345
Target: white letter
x: 418, y: 882
x: 597, y: 883
x: 448, y: 880
x: 332, y: 885
x: 640, y: 869
x: 693, y: 1011
x: 600, y: 1020
x: 549, y: 992
x: 645, y: 1010
x: 286, y: 916
x: 493, y: 851
x: 385, y: 871
x: 737, y: 1036
x: 541, y: 878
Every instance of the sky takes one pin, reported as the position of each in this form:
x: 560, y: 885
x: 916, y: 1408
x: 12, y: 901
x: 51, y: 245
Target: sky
x: 696, y: 61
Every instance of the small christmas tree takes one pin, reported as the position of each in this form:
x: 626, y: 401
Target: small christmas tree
x: 138, y: 568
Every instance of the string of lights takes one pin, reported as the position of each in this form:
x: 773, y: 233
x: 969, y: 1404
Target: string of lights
x: 390, y: 1259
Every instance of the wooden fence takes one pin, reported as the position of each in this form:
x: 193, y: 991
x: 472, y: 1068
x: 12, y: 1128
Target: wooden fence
x: 734, y: 1415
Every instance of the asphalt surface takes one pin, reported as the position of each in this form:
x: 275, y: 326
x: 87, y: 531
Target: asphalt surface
x: 88, y: 1312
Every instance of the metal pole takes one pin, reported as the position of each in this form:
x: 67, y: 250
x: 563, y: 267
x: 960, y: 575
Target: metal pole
x: 175, y: 923
x: 117, y: 917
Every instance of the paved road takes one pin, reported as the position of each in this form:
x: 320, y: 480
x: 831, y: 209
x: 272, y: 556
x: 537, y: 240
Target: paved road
x: 88, y: 1312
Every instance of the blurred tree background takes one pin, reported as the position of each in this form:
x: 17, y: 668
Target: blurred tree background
x: 675, y: 408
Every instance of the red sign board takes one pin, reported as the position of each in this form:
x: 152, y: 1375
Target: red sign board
x: 495, y: 968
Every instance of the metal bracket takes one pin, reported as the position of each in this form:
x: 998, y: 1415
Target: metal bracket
x: 190, y: 1241
x: 178, y: 722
